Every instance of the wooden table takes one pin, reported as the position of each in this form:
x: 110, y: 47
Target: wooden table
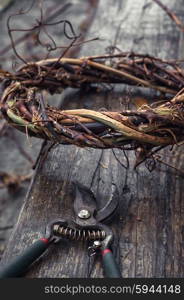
x: 149, y: 228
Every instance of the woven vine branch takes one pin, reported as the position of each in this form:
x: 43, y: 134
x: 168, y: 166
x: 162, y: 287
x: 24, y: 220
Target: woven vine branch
x: 154, y: 126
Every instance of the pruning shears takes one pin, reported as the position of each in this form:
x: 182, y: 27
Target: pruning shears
x: 86, y: 224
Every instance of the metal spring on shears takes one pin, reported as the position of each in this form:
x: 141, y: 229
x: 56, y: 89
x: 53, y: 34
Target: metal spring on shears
x: 79, y: 234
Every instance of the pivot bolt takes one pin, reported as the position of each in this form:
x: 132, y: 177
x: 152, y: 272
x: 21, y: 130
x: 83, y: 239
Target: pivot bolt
x: 97, y: 244
x: 84, y: 214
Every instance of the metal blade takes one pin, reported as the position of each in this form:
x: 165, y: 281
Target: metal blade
x: 85, y: 206
x: 106, y: 213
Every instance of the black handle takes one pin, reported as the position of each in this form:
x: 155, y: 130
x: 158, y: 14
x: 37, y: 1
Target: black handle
x: 111, y: 268
x: 20, y: 264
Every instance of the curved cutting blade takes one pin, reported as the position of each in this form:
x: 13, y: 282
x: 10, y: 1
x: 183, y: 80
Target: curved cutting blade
x: 85, y: 201
x: 107, y: 212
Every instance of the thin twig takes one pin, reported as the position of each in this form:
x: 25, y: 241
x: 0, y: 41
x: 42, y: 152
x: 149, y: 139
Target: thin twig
x: 21, y: 39
x: 173, y: 17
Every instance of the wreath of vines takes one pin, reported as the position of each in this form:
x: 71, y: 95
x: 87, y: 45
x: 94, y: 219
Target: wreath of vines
x: 149, y: 128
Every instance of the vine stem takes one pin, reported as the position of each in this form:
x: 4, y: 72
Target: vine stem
x: 107, y: 69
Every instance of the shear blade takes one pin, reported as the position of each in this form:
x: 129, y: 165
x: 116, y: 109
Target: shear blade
x: 85, y: 199
x: 107, y: 212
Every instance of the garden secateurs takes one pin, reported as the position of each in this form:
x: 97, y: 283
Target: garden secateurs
x: 86, y: 225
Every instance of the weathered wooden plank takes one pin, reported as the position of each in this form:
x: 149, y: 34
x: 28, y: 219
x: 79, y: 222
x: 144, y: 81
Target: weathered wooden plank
x: 12, y: 159
x: 149, y: 228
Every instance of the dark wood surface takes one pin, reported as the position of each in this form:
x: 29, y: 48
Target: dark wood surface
x: 149, y: 227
